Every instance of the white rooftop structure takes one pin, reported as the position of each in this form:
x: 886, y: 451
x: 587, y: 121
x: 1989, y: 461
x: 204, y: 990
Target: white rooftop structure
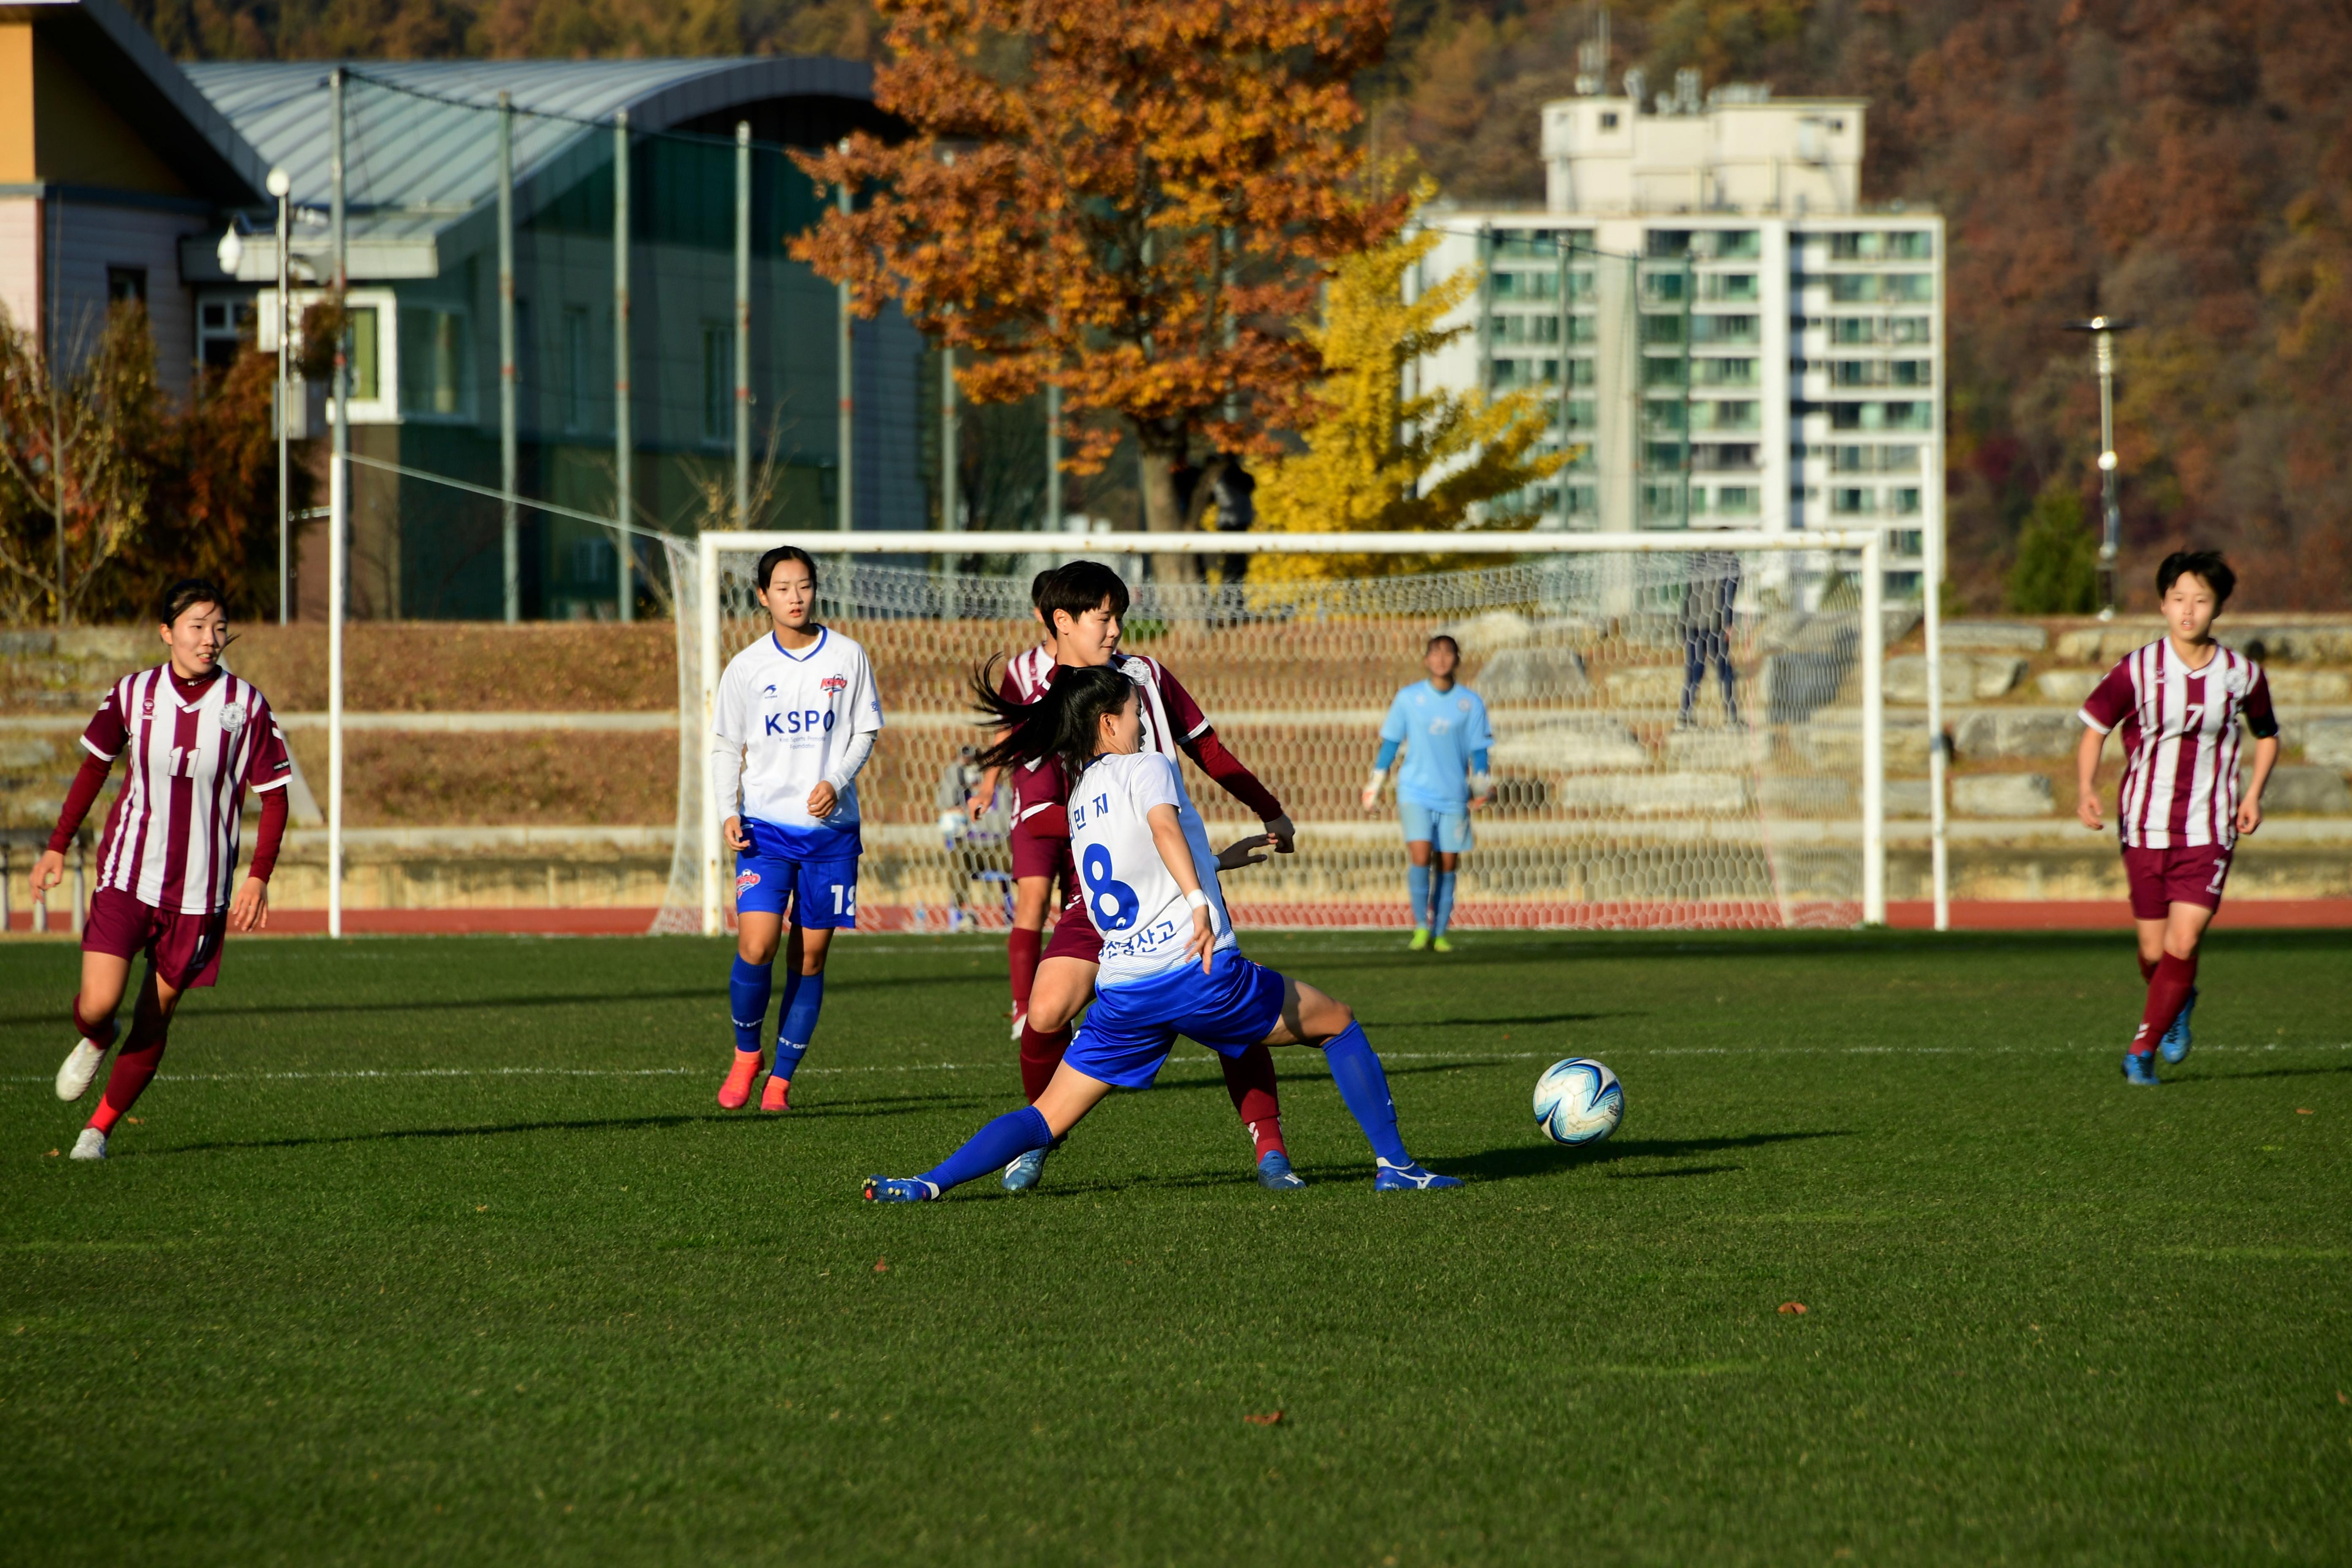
x: 1740, y: 150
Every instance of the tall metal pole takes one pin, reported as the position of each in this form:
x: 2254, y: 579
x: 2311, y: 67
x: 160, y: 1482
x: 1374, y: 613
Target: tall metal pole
x: 1560, y: 381
x: 1931, y: 612
x: 2111, y: 529
x: 623, y: 441
x: 281, y: 186
x: 339, y: 489
x: 54, y: 369
x: 1873, y: 730
x: 1690, y: 287
x: 1052, y: 459
x: 845, y: 439
x: 509, y: 531
x: 742, y: 323
x: 947, y: 439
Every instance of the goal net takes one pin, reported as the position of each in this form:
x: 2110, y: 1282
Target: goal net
x: 1626, y: 794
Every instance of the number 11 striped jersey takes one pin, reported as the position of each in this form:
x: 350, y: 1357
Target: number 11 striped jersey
x: 1130, y: 895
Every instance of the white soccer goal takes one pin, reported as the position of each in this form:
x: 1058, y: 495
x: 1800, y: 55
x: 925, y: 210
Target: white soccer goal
x: 1611, y: 811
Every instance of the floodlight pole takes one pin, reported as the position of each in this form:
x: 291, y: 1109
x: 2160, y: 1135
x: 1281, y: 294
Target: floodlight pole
x: 1052, y: 459
x: 2103, y: 331
x: 742, y: 323
x: 281, y: 186
x: 339, y: 506
x: 845, y: 436
x: 623, y: 441
x: 509, y: 533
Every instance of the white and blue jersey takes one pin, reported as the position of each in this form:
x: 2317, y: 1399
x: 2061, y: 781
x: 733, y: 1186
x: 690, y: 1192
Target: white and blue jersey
x: 1148, y: 990
x: 786, y: 721
x: 1445, y: 738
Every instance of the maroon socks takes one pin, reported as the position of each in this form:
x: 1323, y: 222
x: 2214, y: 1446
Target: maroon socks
x: 1249, y: 1084
x: 1040, y: 1055
x: 2168, y: 993
x: 1020, y: 948
x: 134, y: 1064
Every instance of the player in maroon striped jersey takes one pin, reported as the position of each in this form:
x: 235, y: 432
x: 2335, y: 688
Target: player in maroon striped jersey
x: 1081, y: 604
x: 193, y: 739
x: 2179, y: 700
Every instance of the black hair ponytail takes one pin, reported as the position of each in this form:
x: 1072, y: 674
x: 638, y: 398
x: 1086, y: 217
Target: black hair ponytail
x: 1065, y: 722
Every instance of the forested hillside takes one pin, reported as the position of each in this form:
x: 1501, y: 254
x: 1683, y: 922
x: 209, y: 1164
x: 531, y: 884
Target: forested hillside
x: 2186, y: 164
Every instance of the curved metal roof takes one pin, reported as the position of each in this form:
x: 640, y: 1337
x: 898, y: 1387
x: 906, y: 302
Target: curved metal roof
x: 434, y: 154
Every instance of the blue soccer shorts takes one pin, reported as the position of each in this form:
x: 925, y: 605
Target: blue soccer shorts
x: 1448, y: 830
x: 1131, y: 1027
x: 823, y: 893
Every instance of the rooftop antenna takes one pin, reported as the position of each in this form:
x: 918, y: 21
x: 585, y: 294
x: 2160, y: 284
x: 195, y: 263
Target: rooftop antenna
x: 1592, y: 57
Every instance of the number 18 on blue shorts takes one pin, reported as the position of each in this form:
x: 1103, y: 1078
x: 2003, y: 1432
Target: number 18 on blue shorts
x: 822, y: 890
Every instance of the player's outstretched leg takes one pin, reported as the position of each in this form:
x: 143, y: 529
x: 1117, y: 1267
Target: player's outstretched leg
x: 1309, y: 1017
x: 134, y: 1066
x: 2174, y: 1045
x: 1031, y: 1129
x: 1416, y: 887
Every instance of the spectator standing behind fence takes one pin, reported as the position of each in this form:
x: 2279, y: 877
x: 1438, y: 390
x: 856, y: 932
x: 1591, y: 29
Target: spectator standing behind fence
x: 1709, y: 591
x: 968, y: 840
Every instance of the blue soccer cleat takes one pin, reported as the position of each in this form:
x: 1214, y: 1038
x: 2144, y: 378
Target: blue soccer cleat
x: 1410, y: 1178
x: 2139, y: 1070
x: 1274, y: 1174
x: 899, y: 1190
x: 2175, y: 1044
x: 1026, y: 1172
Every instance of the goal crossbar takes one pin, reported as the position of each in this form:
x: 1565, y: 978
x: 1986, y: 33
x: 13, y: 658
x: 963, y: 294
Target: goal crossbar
x: 1868, y: 544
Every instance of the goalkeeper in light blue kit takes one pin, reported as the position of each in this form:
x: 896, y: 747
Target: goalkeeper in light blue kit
x: 1170, y: 964
x: 1441, y: 725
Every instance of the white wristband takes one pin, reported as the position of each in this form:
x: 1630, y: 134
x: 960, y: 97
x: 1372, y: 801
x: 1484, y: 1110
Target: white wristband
x: 1378, y: 777
x: 1196, y: 900
x: 1481, y: 783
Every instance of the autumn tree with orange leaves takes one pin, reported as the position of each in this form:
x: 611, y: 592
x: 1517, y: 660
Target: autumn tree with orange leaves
x: 1132, y: 200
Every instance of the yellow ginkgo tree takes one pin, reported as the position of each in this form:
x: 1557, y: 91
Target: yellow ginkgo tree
x: 1376, y: 461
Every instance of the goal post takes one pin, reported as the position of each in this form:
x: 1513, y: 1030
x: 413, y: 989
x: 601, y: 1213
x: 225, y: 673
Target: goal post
x: 1618, y: 804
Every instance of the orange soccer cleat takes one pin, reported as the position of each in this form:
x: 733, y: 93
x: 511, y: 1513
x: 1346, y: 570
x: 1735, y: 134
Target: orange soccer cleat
x: 736, y: 1092
x: 778, y: 1095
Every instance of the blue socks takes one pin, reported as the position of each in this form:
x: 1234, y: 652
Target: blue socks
x: 747, y: 999
x: 1416, y: 884
x: 1444, y: 915
x: 1001, y: 1142
x: 803, y: 998
x: 1365, y: 1090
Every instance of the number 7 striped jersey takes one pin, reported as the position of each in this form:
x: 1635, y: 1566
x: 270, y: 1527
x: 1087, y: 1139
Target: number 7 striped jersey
x: 1130, y: 896
x: 2181, y: 742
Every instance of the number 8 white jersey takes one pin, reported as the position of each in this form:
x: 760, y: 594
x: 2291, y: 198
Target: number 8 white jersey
x: 1130, y: 896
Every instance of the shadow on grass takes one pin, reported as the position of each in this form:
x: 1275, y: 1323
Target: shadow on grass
x: 1670, y: 1175
x: 876, y: 1105
x: 1493, y: 1022
x: 2262, y: 1072
x: 1543, y: 1159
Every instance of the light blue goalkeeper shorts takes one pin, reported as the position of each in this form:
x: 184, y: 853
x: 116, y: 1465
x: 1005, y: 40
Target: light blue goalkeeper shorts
x: 1448, y: 830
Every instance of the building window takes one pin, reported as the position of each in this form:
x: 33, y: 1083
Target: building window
x: 436, y: 362
x: 1724, y: 329
x: 1526, y: 329
x: 1903, y: 502
x: 1579, y: 372
x: 1909, y: 288
x: 1662, y: 329
x: 594, y: 562
x: 1848, y: 503
x: 1907, y: 330
x: 1738, y: 499
x: 1662, y: 286
x: 1911, y: 372
x: 126, y: 285
x: 1504, y: 287
x: 575, y: 367
x: 1853, y: 330
x: 366, y: 384
x: 1667, y: 244
x: 1724, y: 372
x: 1607, y: 120
x: 1662, y: 372
x: 1737, y: 245
x: 717, y: 382
x: 1732, y: 287
x: 1583, y: 330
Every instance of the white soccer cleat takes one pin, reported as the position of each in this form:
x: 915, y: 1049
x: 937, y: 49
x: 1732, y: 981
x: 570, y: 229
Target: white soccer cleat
x: 1019, y: 1023
x: 81, y: 1070
x: 91, y: 1145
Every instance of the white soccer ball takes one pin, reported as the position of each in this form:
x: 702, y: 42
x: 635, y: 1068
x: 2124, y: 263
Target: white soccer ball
x: 1578, y: 1101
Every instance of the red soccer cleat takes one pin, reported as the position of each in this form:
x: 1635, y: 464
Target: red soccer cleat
x: 778, y: 1095
x: 736, y: 1092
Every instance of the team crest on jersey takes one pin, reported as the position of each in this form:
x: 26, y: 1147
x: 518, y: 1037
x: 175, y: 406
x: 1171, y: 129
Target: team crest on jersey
x: 770, y: 691
x: 748, y: 881
x: 2235, y: 683
x: 833, y: 685
x: 233, y: 717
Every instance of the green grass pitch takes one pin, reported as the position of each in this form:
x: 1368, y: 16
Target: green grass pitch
x: 439, y: 1250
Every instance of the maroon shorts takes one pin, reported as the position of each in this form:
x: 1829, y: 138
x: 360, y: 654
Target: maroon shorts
x: 185, y: 950
x: 2162, y: 877
x: 1074, y: 935
x: 1033, y: 855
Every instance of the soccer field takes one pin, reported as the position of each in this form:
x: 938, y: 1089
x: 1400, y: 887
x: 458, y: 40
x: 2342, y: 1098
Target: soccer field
x: 439, y: 1249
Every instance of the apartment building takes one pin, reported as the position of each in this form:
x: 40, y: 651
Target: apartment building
x: 1720, y: 329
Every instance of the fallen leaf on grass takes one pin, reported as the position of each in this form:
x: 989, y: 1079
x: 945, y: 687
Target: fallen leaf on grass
x: 1797, y: 1307
x: 881, y: 1266
x: 136, y: 1121
x: 2303, y: 1110
x: 481, y: 1208
x: 2342, y: 1398
x: 52, y: 1154
x: 1271, y: 1418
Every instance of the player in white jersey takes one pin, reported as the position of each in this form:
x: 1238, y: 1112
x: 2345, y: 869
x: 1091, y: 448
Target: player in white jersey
x: 797, y: 718
x: 192, y: 739
x: 2177, y: 701
x: 1170, y: 964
